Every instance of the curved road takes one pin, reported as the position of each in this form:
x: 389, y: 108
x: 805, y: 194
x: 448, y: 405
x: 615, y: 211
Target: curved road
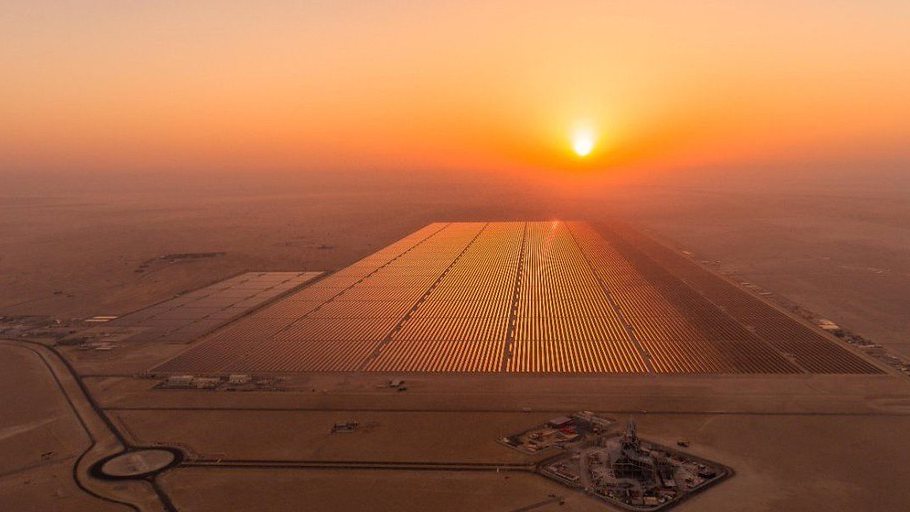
x: 105, y: 440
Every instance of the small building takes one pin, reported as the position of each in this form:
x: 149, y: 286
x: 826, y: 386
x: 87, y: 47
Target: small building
x: 592, y: 420
x: 238, y: 379
x: 206, y: 382
x: 560, y: 422
x: 829, y: 326
x: 568, y: 438
x: 100, y: 319
x: 179, y: 381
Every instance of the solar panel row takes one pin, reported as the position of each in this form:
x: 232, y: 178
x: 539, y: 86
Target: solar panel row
x: 519, y: 297
x: 264, y: 341
x: 191, y: 315
x: 805, y: 347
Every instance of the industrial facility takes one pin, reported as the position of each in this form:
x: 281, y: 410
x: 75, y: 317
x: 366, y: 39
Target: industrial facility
x: 617, y: 467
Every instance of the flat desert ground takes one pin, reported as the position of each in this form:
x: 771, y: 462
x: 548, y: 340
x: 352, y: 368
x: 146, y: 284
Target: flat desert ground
x: 796, y: 443
x: 840, y: 251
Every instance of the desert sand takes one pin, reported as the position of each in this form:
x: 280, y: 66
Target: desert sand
x: 796, y: 442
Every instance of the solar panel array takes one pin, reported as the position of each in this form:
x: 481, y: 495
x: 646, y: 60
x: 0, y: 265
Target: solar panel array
x: 728, y: 313
x: 191, y: 315
x: 535, y: 297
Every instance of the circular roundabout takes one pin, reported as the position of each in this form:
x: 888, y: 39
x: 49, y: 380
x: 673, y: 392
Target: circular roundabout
x: 138, y: 463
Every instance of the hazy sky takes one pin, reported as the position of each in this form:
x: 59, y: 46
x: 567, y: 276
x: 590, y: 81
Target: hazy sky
x: 216, y: 85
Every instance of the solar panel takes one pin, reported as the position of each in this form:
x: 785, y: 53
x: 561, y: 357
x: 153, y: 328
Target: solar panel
x: 523, y: 297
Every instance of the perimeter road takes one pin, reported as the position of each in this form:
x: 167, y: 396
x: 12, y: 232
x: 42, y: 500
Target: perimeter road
x: 105, y: 439
x: 516, y: 297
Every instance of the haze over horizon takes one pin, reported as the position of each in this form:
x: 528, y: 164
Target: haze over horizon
x: 454, y: 255
x: 769, y: 90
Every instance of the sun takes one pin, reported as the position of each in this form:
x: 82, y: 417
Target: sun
x: 583, y: 142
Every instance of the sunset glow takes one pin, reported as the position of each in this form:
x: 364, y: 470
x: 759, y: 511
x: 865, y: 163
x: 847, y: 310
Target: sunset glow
x: 583, y: 142
x: 315, y: 86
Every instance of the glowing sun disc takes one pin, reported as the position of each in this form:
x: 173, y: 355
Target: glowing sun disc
x: 583, y: 143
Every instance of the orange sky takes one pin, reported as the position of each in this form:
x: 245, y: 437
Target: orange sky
x: 323, y: 85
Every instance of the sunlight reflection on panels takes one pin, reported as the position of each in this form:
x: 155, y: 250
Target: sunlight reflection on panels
x: 523, y: 297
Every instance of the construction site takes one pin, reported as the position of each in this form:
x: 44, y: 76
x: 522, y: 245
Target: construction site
x: 632, y: 473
